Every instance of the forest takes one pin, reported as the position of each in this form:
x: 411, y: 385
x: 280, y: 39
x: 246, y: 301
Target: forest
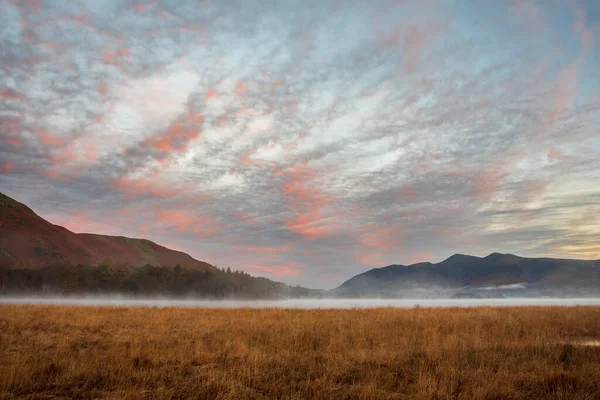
x: 148, y: 280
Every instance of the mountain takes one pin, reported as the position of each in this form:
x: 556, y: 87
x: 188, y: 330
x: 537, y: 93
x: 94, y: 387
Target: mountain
x: 496, y: 275
x: 29, y: 241
x: 37, y: 256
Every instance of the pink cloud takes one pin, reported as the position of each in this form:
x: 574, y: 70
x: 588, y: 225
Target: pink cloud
x: 35, y: 5
x: 532, y: 14
x: 285, y: 270
x: 375, y: 243
x: 176, y: 138
x: 191, y: 222
x: 142, y: 8
x: 423, y: 256
x: 264, y: 249
x: 211, y: 94
x: 586, y: 35
x: 308, y: 203
x: 9, y: 95
x: 82, y: 222
x: 311, y: 225
x: 179, y: 219
x: 247, y: 218
x: 241, y: 87
x: 13, y: 142
x: 390, y: 39
x: 48, y: 139
x: 52, y: 173
x: 7, y: 166
x: 152, y: 186
x: 554, y: 154
x: 114, y: 57
x: 416, y: 39
x: 486, y: 182
x: 566, y: 91
x: 102, y: 89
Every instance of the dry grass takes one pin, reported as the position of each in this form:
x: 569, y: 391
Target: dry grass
x: 129, y: 353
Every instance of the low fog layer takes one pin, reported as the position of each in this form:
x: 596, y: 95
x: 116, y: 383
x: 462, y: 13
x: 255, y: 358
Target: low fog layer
x: 297, y: 303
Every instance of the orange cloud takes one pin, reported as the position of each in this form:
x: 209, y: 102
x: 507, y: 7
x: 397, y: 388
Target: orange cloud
x: 247, y: 160
x: 210, y: 94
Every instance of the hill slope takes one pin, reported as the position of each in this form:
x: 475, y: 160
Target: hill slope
x: 494, y: 275
x: 29, y: 241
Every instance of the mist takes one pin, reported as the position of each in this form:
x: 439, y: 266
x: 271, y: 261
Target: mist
x: 124, y: 301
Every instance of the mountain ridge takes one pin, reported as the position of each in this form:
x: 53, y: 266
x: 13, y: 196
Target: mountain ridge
x: 460, y: 271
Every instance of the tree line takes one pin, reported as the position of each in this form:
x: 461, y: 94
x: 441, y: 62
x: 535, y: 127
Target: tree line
x: 149, y: 280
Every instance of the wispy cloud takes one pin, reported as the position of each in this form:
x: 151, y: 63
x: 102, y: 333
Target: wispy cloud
x: 308, y: 142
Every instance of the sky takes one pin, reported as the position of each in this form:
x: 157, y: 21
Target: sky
x: 308, y: 141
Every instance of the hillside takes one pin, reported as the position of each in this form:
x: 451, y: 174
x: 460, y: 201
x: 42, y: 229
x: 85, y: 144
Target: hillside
x: 39, y: 257
x: 29, y: 241
x: 496, y: 275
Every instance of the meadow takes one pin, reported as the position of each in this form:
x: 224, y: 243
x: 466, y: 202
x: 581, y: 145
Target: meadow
x: 54, y: 352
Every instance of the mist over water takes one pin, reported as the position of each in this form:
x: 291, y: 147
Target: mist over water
x: 297, y: 303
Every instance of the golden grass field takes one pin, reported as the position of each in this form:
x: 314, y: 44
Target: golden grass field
x: 51, y: 352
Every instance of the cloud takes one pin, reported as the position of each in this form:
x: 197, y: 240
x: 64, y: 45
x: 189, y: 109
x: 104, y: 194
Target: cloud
x: 314, y: 142
x: 416, y: 39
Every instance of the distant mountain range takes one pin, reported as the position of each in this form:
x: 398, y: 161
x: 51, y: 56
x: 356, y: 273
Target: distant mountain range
x: 497, y: 275
x: 37, y: 256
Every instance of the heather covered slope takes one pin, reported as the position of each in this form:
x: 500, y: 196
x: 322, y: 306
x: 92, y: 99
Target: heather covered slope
x: 494, y: 274
x: 29, y: 241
